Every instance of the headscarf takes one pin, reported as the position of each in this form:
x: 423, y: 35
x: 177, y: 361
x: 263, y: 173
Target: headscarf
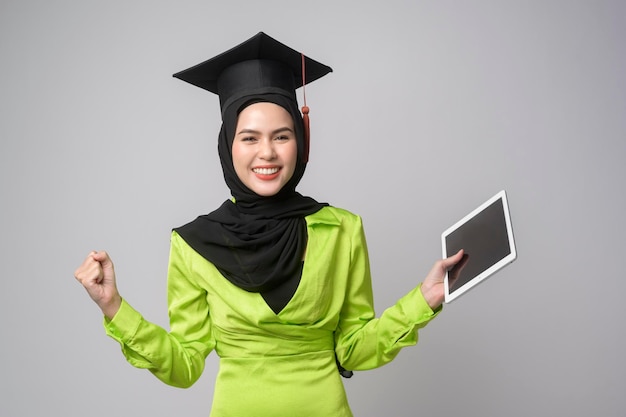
x: 256, y: 242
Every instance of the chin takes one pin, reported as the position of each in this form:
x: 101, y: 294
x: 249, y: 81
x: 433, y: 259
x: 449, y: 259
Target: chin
x: 266, y: 189
x: 266, y: 193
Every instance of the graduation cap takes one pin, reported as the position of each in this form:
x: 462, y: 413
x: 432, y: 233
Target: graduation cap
x: 259, y: 65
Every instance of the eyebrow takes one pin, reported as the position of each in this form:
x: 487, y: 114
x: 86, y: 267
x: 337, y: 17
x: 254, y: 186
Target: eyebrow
x: 274, y: 132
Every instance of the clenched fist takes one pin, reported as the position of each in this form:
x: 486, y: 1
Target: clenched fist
x: 97, y: 275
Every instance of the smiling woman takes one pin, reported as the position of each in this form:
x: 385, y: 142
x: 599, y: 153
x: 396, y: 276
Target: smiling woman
x: 276, y: 283
x: 264, y: 149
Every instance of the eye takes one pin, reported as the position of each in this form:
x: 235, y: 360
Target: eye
x: 248, y: 139
x: 282, y: 138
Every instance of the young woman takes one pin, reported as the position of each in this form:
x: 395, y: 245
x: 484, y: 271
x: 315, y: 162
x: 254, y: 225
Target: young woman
x: 276, y: 283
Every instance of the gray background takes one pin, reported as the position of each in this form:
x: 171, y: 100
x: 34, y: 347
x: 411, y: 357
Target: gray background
x: 433, y: 107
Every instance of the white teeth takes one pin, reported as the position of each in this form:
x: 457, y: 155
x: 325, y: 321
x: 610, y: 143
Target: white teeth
x: 265, y: 171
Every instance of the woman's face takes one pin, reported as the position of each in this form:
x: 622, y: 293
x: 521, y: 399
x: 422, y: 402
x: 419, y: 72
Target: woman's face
x: 265, y: 150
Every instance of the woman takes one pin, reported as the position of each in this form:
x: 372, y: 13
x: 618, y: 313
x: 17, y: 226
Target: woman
x: 276, y: 283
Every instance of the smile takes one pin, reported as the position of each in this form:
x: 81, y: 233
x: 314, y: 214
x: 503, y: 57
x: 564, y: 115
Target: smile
x: 265, y: 171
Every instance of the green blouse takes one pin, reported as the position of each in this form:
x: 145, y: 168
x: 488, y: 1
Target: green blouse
x: 275, y: 364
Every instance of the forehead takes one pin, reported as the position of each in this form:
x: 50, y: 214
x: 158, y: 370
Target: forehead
x: 264, y: 113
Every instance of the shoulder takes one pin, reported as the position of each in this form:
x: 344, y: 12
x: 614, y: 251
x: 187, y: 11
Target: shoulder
x: 341, y: 213
x: 178, y: 243
x: 334, y: 216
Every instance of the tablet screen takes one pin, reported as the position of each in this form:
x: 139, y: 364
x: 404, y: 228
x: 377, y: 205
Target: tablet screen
x: 485, y: 236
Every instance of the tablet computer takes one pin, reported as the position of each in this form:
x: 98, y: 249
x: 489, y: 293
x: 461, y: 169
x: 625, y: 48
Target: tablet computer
x: 486, y: 237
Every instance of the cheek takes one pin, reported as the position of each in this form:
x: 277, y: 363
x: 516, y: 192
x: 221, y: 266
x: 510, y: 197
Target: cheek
x: 291, y: 157
x: 239, y: 158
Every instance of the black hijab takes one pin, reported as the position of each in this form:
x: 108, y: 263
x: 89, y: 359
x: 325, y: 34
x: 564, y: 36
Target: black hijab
x: 256, y: 242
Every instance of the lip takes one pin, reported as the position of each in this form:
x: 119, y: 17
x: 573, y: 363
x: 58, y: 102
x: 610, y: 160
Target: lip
x: 266, y: 177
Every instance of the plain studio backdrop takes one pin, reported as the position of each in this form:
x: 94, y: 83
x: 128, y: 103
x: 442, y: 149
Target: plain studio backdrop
x: 433, y: 106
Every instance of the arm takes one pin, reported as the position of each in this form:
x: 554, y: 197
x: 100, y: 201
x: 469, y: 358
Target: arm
x: 176, y: 357
x: 364, y: 341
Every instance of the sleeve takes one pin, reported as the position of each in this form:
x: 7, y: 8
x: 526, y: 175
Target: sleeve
x: 363, y: 341
x: 176, y: 357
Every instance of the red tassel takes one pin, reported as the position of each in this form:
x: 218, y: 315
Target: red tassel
x: 305, y: 115
x: 307, y: 132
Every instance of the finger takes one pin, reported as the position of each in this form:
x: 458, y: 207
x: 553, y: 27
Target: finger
x: 464, y: 260
x: 102, y: 257
x: 98, y: 255
x: 90, y: 270
x: 87, y: 264
x: 89, y: 274
x: 449, y: 262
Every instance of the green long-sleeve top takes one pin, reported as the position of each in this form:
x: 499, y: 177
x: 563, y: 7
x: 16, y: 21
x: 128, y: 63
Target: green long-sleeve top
x: 272, y: 364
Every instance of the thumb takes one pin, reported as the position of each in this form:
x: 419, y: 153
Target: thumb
x: 100, y: 256
x: 104, y: 259
x: 453, y: 260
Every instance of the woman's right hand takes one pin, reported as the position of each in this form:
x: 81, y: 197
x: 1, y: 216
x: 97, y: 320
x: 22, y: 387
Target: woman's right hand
x: 97, y: 275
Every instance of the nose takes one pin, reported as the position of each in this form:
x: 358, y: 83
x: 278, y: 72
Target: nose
x: 266, y: 150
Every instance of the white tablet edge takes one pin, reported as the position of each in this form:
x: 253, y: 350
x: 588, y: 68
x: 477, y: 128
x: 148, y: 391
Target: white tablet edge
x: 494, y: 268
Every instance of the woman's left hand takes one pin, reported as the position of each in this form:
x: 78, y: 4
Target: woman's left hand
x: 432, y: 287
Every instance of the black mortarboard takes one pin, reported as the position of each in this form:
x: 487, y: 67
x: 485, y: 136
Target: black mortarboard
x: 257, y: 66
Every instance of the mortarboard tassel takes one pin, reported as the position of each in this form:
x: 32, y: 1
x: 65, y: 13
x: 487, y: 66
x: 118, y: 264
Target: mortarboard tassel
x: 307, y: 132
x: 305, y: 117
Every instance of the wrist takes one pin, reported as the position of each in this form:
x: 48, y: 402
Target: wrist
x: 433, y: 298
x: 111, y: 307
